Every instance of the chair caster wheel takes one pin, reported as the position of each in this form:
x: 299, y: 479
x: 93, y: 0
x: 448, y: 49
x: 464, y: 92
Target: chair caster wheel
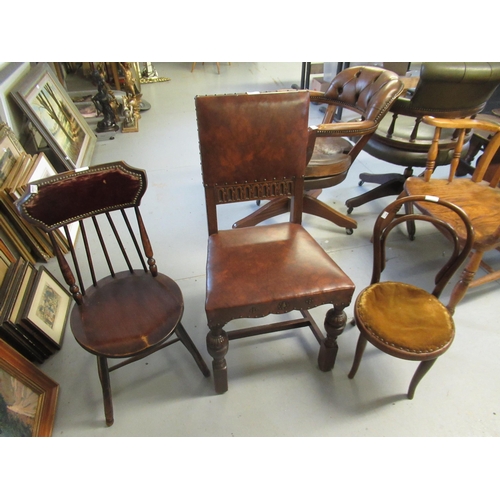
x: 349, y: 210
x: 349, y: 230
x: 360, y: 183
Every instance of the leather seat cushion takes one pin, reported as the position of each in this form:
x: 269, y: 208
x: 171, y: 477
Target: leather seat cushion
x: 405, y: 317
x: 261, y: 270
x: 330, y: 157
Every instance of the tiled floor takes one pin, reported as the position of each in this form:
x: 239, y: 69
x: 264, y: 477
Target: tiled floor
x: 275, y: 386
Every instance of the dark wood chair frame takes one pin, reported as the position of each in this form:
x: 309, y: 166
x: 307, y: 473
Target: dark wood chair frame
x: 94, y: 195
x: 219, y: 123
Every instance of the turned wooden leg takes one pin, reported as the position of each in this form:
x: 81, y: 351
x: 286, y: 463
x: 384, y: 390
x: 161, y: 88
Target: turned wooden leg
x: 217, y: 346
x: 102, y: 367
x: 466, y: 277
x: 335, y: 322
x: 360, y: 349
x: 422, y: 369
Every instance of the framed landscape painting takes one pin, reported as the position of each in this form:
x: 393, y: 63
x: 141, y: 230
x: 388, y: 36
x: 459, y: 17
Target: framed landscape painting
x: 28, y: 397
x: 49, y: 107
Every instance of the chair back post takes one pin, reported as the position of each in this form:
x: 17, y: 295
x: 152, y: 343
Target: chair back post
x: 389, y: 219
x: 485, y: 161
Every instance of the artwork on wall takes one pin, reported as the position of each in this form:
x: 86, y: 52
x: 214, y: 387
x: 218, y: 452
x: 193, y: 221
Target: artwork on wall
x: 49, y: 107
x: 28, y: 397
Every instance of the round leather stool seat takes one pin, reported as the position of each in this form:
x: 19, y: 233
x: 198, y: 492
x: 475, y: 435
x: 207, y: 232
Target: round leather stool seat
x: 404, y: 320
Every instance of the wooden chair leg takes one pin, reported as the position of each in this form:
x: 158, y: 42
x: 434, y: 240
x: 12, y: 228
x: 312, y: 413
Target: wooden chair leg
x: 102, y: 367
x: 463, y: 283
x: 422, y: 369
x: 335, y: 322
x: 189, y: 345
x: 360, y: 349
x: 192, y: 67
x: 217, y: 346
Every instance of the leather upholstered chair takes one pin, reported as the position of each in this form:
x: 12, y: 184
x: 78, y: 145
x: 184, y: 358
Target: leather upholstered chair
x: 444, y: 90
x: 128, y: 313
x: 367, y: 91
x: 248, y: 152
x: 401, y: 319
x: 480, y: 199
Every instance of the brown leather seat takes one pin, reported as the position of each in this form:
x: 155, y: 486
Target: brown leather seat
x: 249, y: 151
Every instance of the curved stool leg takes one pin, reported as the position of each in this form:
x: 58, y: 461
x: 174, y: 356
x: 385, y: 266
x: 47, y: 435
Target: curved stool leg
x: 422, y: 369
x: 360, y: 349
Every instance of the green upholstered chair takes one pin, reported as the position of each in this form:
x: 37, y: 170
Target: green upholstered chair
x: 401, y: 319
x: 444, y: 90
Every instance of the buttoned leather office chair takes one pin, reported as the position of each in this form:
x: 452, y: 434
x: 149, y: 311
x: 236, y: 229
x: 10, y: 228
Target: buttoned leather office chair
x: 250, y: 151
x: 367, y: 91
x: 399, y: 318
x: 444, y: 90
x: 129, y: 313
x: 479, y: 199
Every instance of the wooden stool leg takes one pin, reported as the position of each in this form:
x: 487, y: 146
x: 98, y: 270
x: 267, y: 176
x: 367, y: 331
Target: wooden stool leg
x: 217, y: 346
x: 335, y: 322
x: 466, y: 277
x: 360, y: 349
x: 102, y: 367
x: 422, y: 369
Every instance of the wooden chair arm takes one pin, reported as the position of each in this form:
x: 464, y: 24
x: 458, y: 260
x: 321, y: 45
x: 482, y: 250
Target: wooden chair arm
x: 461, y: 123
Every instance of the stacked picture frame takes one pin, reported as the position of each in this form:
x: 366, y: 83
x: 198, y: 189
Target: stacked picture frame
x: 49, y: 107
x: 34, y: 308
x: 17, y: 170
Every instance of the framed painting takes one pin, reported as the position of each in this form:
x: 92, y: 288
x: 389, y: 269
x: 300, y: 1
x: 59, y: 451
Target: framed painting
x: 47, y: 104
x: 10, y: 151
x: 47, y: 306
x: 28, y: 397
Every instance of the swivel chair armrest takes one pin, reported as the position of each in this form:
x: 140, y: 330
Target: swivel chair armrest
x: 347, y: 129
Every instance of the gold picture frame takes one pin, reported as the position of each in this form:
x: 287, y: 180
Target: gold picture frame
x: 49, y: 107
x: 28, y: 397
